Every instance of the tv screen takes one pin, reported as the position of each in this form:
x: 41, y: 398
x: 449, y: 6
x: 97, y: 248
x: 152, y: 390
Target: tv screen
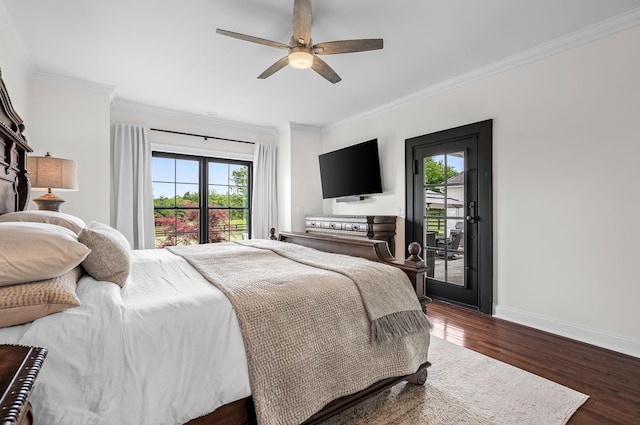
x: 354, y: 170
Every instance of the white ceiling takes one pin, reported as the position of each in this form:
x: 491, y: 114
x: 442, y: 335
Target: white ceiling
x: 166, y: 54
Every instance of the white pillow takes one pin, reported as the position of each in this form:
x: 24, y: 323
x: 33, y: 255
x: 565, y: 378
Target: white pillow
x: 69, y: 221
x: 37, y: 251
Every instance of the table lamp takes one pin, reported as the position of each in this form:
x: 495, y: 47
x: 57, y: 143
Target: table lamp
x: 48, y: 173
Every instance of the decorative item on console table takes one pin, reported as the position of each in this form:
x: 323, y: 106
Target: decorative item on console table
x: 19, y: 367
x: 380, y: 227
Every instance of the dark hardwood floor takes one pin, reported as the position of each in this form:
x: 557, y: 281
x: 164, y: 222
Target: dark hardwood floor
x: 610, y: 379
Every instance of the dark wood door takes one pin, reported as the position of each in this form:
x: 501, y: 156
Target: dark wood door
x: 449, y: 211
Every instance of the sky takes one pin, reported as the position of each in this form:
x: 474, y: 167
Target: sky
x: 452, y: 161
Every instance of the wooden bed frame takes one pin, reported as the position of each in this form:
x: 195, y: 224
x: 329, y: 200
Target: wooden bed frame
x: 14, y: 196
x: 241, y: 412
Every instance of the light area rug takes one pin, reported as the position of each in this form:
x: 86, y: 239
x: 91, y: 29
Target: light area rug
x: 465, y: 387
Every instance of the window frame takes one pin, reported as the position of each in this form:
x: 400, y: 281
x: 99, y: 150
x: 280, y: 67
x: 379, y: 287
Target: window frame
x: 203, y: 189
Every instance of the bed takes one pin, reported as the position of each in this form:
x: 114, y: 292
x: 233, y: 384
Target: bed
x: 185, y: 336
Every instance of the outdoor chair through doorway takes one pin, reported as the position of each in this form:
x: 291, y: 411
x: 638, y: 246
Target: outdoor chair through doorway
x: 452, y: 242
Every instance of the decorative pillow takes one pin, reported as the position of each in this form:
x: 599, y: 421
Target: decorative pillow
x: 37, y: 251
x: 69, y: 221
x: 27, y: 302
x: 110, y: 258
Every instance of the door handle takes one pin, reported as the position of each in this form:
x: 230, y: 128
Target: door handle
x: 471, y: 212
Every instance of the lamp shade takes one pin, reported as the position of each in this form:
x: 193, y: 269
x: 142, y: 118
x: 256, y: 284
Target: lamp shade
x: 47, y: 172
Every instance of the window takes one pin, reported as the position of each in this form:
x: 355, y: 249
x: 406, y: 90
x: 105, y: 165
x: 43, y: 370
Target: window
x: 183, y: 216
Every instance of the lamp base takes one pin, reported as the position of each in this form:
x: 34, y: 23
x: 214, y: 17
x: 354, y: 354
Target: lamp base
x: 49, y: 202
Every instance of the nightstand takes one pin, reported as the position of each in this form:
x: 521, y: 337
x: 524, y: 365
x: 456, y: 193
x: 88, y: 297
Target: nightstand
x: 19, y: 367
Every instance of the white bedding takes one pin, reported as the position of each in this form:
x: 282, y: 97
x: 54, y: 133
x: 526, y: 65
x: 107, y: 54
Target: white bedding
x: 159, y: 351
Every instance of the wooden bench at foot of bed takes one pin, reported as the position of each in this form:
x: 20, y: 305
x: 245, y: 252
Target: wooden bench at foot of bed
x: 241, y: 412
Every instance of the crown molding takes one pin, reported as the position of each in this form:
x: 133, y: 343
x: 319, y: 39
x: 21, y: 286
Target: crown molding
x: 304, y: 127
x: 127, y: 106
x: 581, y: 37
x: 74, y: 83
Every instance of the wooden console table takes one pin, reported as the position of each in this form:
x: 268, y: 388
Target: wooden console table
x: 19, y: 367
x: 379, y: 227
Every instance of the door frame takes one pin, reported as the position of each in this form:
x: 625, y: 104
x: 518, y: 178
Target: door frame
x: 414, y: 226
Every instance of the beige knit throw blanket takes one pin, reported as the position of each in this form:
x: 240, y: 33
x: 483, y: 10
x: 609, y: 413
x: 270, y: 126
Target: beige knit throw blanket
x: 306, y: 330
x: 387, y: 294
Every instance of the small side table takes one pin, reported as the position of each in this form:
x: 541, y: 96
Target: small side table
x: 19, y: 367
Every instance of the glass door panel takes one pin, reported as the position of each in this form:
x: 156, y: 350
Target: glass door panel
x: 176, y: 201
x: 444, y: 221
x: 228, y: 201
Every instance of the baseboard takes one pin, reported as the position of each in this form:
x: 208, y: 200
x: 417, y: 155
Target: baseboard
x: 590, y: 336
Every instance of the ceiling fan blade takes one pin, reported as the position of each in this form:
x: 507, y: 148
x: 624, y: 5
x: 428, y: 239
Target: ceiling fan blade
x: 274, y: 68
x: 325, y: 70
x: 347, y: 46
x: 252, y: 39
x: 302, y: 18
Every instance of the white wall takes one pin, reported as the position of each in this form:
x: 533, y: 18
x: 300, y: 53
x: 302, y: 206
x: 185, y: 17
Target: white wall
x: 299, y: 190
x: 70, y: 119
x: 565, y: 129
x: 284, y: 177
x: 306, y: 191
x: 14, y: 66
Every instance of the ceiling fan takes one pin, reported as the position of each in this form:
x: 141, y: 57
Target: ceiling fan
x: 302, y: 54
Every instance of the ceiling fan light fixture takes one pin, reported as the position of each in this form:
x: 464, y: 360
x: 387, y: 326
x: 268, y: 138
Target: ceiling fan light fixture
x: 300, y: 59
x: 302, y: 53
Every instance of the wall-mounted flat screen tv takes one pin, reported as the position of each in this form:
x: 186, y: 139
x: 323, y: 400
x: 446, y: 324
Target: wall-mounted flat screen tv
x: 351, y: 171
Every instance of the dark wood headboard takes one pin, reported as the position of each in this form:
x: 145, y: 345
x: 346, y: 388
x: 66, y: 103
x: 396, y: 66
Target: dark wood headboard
x: 14, y: 177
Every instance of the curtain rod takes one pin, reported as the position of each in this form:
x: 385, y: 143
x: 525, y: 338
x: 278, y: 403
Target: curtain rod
x: 201, y: 135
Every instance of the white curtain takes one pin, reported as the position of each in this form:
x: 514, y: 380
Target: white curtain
x: 264, y: 202
x: 132, y: 184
